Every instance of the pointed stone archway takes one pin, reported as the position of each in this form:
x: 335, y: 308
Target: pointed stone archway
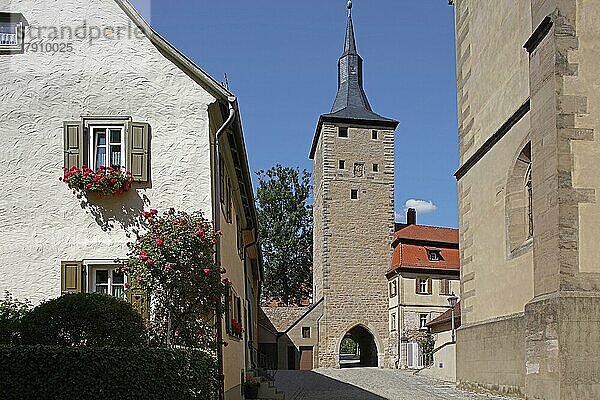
x: 365, y: 348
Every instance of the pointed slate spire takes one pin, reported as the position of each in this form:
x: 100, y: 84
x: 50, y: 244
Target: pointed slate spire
x: 351, y: 100
x: 350, y: 46
x: 351, y: 105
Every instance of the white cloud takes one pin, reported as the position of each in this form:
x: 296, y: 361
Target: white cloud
x: 422, y: 207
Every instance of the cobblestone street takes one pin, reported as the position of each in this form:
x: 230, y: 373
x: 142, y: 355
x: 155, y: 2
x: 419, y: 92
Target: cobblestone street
x: 368, y: 384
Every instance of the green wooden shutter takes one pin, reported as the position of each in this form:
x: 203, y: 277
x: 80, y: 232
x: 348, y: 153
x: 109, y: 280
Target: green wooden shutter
x: 138, y: 145
x: 139, y: 301
x: 71, y: 277
x: 73, y: 142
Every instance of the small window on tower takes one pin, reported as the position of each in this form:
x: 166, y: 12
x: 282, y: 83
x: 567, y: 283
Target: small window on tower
x: 306, y: 332
x: 343, y: 132
x: 342, y: 164
x: 375, y: 135
x: 354, y: 194
x: 375, y: 167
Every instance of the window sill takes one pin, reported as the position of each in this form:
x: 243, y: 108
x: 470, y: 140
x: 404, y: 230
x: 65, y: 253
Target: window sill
x: 522, y: 249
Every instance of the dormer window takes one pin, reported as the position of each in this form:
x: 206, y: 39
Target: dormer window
x: 434, y: 255
x: 11, y: 33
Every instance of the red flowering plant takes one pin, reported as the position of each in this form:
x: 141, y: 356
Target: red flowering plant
x: 105, y: 181
x: 236, y: 328
x: 173, y: 262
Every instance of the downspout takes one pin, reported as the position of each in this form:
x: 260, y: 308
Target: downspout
x: 217, y: 226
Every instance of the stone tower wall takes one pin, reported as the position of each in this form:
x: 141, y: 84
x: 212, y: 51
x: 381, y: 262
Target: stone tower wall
x: 353, y: 237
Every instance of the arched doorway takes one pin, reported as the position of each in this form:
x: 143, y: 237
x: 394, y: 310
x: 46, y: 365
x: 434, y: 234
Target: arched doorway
x: 358, y: 348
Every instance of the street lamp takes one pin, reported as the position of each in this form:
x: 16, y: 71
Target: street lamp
x: 452, y: 300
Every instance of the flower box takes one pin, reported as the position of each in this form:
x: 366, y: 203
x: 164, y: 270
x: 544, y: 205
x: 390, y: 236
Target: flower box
x: 105, y: 181
x: 236, y: 329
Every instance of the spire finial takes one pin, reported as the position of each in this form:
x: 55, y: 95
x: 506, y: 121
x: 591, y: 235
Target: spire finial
x: 349, y: 6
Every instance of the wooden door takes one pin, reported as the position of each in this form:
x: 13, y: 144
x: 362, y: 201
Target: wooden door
x: 306, y: 358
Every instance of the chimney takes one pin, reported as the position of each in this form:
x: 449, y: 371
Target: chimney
x: 411, y: 216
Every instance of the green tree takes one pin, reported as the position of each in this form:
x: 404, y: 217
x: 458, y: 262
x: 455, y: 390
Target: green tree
x: 348, y: 346
x: 285, y: 228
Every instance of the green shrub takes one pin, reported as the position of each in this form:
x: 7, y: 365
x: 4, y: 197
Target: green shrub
x: 84, y: 319
x: 43, y: 372
x: 11, y: 312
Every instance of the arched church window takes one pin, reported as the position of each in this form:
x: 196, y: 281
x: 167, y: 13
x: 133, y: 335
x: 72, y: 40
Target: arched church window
x: 519, y: 204
x: 529, y: 197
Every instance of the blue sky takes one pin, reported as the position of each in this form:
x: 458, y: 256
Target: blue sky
x: 281, y: 61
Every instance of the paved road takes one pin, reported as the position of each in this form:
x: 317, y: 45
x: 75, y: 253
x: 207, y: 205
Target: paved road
x: 367, y: 384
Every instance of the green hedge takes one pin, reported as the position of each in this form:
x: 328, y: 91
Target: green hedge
x: 84, y: 319
x: 43, y: 372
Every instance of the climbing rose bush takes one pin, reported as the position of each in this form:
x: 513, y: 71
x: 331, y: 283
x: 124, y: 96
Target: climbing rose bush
x: 173, y: 262
x: 105, y: 181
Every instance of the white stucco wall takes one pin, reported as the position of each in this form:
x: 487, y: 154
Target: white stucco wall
x: 41, y: 221
x: 444, y: 360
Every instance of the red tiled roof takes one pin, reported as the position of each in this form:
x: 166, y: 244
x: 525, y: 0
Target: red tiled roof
x: 411, y: 256
x: 446, y: 316
x: 427, y: 233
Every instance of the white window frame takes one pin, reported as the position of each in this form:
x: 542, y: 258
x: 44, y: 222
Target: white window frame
x: 393, y: 322
x: 92, y: 151
x: 423, y: 320
x: 4, y: 37
x: 91, y: 266
x: 17, y: 46
x: 434, y: 255
x: 424, y: 281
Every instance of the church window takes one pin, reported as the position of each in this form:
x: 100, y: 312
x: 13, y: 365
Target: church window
x: 519, y: 204
x: 374, y: 135
x: 393, y: 322
x: 342, y: 132
x: 393, y: 289
x: 354, y: 194
x: 342, y: 164
x: 375, y: 167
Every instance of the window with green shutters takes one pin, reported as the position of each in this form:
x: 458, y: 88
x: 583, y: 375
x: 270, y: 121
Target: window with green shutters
x: 77, y: 277
x: 105, y: 142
